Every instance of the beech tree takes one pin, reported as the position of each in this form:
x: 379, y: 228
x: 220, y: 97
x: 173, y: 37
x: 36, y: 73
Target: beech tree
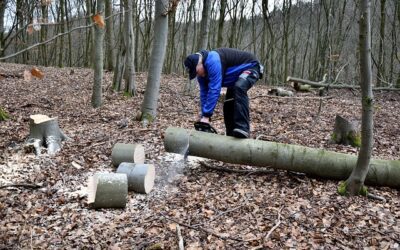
x: 355, y: 183
x: 98, y: 55
x: 204, y: 25
x: 150, y: 101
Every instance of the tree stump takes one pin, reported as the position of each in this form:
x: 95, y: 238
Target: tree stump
x: 107, y: 190
x: 346, y: 132
x: 140, y: 176
x: 133, y: 153
x: 44, y: 131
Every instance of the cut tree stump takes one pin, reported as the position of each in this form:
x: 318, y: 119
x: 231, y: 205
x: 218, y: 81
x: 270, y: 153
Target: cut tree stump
x: 107, y: 190
x: 44, y: 131
x: 311, y: 161
x: 345, y: 132
x: 140, y: 176
x: 122, y: 152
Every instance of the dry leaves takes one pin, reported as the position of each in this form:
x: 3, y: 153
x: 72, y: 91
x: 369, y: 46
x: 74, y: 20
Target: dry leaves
x: 98, y: 19
x: 239, y: 206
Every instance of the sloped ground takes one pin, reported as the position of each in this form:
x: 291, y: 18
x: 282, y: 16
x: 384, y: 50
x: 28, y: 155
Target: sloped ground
x: 216, y: 210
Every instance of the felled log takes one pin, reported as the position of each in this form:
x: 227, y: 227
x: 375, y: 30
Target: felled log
x: 333, y: 86
x: 280, y: 92
x: 140, y: 176
x: 44, y: 131
x: 107, y: 190
x: 122, y: 152
x: 302, y: 87
x: 311, y: 161
x: 346, y: 132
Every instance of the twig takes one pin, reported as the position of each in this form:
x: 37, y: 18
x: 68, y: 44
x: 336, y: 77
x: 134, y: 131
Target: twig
x: 180, y: 239
x: 240, y: 171
x: 278, y: 222
x: 376, y: 197
x: 202, y: 229
x: 33, y: 186
x: 294, y: 97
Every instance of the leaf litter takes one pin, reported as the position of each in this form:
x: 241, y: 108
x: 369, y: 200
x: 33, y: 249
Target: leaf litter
x: 216, y: 210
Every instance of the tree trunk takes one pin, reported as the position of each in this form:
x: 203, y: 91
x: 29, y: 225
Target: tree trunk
x: 149, y: 105
x: 2, y: 40
x: 129, y: 74
x: 44, y: 131
x: 109, y: 35
x: 315, y: 162
x: 98, y: 58
x: 355, y: 183
x: 204, y: 25
x: 221, y: 21
x: 381, y: 56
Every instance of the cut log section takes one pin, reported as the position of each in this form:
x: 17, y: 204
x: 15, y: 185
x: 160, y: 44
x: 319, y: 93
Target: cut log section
x: 346, y: 132
x: 140, y: 176
x: 107, y: 190
x: 280, y: 92
x: 122, y: 152
x: 44, y: 131
x: 312, y: 161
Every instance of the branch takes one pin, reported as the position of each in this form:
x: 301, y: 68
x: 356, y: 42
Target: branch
x: 341, y: 86
x: 240, y: 171
x: 55, y: 37
x: 180, y: 239
x: 278, y: 222
x: 201, y: 228
x: 294, y: 97
x: 32, y: 186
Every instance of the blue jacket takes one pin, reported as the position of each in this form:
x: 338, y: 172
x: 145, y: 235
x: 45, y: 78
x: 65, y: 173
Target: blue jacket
x: 223, y: 67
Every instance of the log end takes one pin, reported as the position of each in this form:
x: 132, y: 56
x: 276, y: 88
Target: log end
x: 37, y: 119
x: 107, y: 190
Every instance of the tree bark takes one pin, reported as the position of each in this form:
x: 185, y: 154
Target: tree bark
x: 129, y: 74
x: 140, y: 176
x: 98, y: 58
x: 109, y: 35
x: 311, y: 161
x: 150, y: 102
x: 204, y: 25
x: 127, y: 153
x: 2, y: 40
x: 107, y: 190
x: 355, y: 183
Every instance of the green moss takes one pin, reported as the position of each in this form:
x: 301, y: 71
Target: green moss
x: 363, y: 191
x: 148, y: 117
x: 3, y: 115
x: 355, y: 139
x: 334, y: 137
x: 342, y: 189
x: 368, y: 101
x: 127, y: 94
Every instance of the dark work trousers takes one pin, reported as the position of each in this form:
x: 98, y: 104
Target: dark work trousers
x: 236, y: 104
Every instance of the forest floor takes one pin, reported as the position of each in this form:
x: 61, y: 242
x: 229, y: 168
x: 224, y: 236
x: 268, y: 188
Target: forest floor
x: 216, y: 210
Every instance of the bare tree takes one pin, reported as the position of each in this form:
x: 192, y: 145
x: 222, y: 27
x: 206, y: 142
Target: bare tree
x: 98, y: 56
x: 150, y: 101
x: 354, y: 185
x: 109, y: 35
x: 204, y: 25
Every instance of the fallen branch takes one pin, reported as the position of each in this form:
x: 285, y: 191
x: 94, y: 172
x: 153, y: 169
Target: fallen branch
x: 376, y: 197
x: 278, y: 222
x: 239, y: 171
x: 180, y: 239
x: 32, y: 186
x: 336, y: 86
x: 202, y: 229
x: 294, y: 97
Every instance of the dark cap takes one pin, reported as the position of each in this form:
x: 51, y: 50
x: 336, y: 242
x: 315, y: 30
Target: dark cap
x: 190, y: 64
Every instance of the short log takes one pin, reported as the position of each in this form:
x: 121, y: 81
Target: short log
x: 140, y: 176
x: 122, y: 152
x: 107, y: 190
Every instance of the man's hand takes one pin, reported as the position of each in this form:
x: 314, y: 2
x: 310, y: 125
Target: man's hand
x: 205, y: 119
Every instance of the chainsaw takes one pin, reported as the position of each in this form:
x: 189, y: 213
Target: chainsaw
x: 203, y: 127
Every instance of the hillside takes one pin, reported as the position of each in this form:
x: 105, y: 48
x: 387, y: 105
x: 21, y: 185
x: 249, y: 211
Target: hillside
x: 216, y: 209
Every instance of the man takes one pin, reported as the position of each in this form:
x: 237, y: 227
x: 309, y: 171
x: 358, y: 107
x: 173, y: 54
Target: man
x: 225, y: 67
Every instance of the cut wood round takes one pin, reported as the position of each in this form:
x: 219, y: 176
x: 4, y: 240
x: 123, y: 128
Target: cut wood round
x: 107, y: 190
x: 44, y: 131
x: 122, y: 152
x: 345, y: 132
x: 140, y: 176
